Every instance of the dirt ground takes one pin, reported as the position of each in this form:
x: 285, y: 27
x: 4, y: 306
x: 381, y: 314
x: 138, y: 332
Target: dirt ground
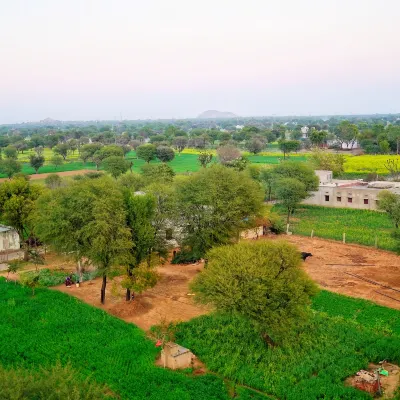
x: 170, y: 300
x: 333, y: 261
x: 64, y: 173
x: 389, y: 383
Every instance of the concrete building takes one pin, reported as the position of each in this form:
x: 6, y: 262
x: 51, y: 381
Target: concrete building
x: 174, y: 356
x: 9, y: 239
x: 349, y: 193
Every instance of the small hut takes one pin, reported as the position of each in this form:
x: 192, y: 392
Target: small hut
x: 174, y: 356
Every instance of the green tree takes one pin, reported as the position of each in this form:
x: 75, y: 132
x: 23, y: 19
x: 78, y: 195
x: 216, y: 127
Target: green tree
x: 53, y: 181
x: 10, y: 152
x: 384, y: 147
x: 115, y: 166
x: 325, y: 160
x: 57, y: 161
x: 10, y: 167
x: 180, y: 142
x: 61, y: 149
x: 390, y: 202
x: 215, y: 204
x: 290, y: 192
x: 146, y: 152
x: 347, y: 133
x: 317, y: 138
x: 161, y: 173
x: 140, y: 214
x: 36, y: 162
x: 17, y: 207
x: 288, y: 146
x: 88, y: 150
x: 299, y: 171
x: 87, y: 218
x: 255, y: 145
x: 263, y: 282
x: 165, y: 154
x: 110, y: 151
x: 394, y: 135
x: 205, y: 158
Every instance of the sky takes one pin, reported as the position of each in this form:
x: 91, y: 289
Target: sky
x: 131, y: 59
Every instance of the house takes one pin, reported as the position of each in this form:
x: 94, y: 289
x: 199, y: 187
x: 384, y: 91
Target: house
x: 349, y: 193
x: 9, y: 238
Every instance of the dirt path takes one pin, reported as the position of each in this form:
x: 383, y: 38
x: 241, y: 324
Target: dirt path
x: 169, y: 300
x: 332, y: 262
x: 64, y: 173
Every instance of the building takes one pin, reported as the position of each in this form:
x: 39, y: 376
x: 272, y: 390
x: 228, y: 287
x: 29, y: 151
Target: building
x: 349, y: 193
x: 174, y: 356
x: 9, y: 239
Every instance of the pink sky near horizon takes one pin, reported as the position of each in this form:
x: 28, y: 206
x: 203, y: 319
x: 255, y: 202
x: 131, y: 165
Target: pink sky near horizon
x: 96, y: 59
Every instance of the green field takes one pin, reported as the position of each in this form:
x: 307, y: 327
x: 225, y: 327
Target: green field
x: 343, y: 336
x: 360, y: 226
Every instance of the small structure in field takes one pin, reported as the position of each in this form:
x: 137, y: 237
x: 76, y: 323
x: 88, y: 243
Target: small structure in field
x: 174, y: 356
x: 9, y: 239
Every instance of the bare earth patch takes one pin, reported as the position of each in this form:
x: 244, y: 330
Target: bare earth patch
x: 169, y: 300
x: 339, y: 267
x: 63, y: 173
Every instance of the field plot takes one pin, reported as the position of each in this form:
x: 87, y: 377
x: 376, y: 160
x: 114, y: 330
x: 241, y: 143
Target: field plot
x: 360, y: 226
x: 351, y: 269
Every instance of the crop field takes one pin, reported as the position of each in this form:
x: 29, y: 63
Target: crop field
x: 52, y: 326
x: 343, y: 336
x: 360, y: 226
x: 368, y: 163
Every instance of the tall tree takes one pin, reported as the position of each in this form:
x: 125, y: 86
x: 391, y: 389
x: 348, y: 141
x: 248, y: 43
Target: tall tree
x: 263, y: 282
x: 347, y: 133
x: 146, y: 152
x: 61, y: 149
x: 215, y: 204
x: 10, y: 152
x: 10, y: 167
x: 165, y: 154
x: 36, y: 162
x: 290, y: 192
x: 116, y: 166
x: 205, y: 158
x: 390, y: 202
x: 180, y: 142
x: 288, y: 146
x: 88, y: 218
x: 17, y: 207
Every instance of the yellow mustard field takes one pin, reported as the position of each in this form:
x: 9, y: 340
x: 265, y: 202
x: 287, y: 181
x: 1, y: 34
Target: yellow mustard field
x: 368, y: 163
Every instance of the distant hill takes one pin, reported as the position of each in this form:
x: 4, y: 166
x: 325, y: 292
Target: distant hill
x: 214, y: 114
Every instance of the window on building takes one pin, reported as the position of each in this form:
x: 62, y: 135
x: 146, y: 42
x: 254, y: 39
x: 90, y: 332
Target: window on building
x: 366, y: 201
x: 326, y: 197
x: 168, y: 234
x: 349, y: 199
x: 339, y: 199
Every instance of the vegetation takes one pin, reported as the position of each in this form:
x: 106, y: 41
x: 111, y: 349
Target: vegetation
x: 263, y: 282
x: 100, y: 347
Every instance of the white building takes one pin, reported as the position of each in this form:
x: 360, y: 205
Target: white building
x: 349, y: 193
x: 9, y: 239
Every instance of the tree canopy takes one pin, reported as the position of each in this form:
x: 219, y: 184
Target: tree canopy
x: 263, y: 282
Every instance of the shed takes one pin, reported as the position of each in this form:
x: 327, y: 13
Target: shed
x: 175, y: 356
x: 9, y: 238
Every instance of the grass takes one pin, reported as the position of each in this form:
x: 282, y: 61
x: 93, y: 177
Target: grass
x: 51, y: 326
x: 343, y: 336
x: 360, y: 226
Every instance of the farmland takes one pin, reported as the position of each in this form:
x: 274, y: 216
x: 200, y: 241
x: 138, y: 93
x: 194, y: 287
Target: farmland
x: 343, y: 336
x: 360, y: 226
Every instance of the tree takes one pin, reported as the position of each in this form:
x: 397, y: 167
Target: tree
x: 390, y: 202
x: 255, y: 145
x: 57, y: 161
x: 61, y: 149
x: 110, y: 151
x: 394, y: 135
x: 17, y: 207
x: 10, y: 167
x: 317, y: 138
x: 228, y: 153
x: 10, y: 152
x: 288, y: 146
x: 180, y: 142
x: 165, y: 154
x: 263, y: 282
x: 384, y: 146
x: 88, y: 219
x: 321, y: 159
x: 146, y: 152
x: 215, y: 204
x: 205, y: 158
x: 88, y: 150
x: 290, y: 192
x: 115, y: 166
x: 36, y: 162
x: 299, y: 171
x: 140, y: 214
x: 53, y: 181
x: 346, y: 133
x: 39, y: 150
x: 161, y: 173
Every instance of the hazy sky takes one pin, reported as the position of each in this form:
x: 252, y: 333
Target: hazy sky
x: 97, y: 59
